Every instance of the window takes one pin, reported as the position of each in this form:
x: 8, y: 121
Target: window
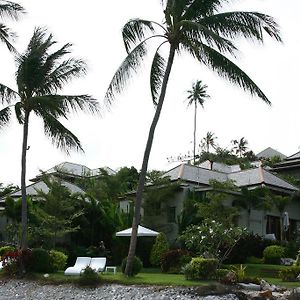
x: 171, y: 214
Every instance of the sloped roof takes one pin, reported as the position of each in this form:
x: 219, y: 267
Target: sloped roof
x: 270, y: 152
x: 294, y: 156
x: 250, y: 177
x: 41, y: 185
x: 216, y: 166
x: 74, y: 169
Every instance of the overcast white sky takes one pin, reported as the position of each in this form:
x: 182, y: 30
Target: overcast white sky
x: 118, y: 138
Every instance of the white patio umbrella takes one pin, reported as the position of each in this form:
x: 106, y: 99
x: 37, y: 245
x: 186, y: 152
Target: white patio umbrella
x: 142, y: 231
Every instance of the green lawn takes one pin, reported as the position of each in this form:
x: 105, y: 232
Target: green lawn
x: 155, y: 277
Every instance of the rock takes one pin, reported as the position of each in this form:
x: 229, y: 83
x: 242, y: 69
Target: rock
x: 266, y: 294
x: 250, y: 286
x: 230, y: 278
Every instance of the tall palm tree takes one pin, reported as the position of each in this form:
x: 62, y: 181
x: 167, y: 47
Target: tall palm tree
x: 195, y: 27
x: 197, y: 95
x: 13, y: 11
x: 209, y: 141
x: 240, y: 146
x: 40, y: 75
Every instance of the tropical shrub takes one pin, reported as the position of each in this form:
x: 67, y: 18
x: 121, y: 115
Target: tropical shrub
x: 272, y: 254
x: 136, y: 266
x: 5, y: 249
x: 58, y: 260
x: 200, y: 268
x: 160, y: 247
x: 221, y: 273
x: 289, y: 273
x: 211, y: 239
x: 173, y: 260
x: 40, y: 261
x: 13, y: 260
x: 240, y: 272
x: 89, y: 277
x: 249, y: 245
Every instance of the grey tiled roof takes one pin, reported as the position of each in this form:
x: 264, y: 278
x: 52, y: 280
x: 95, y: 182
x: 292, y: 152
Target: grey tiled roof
x: 294, y: 156
x: 76, y: 170
x: 40, y: 185
x: 250, y: 177
x: 270, y: 152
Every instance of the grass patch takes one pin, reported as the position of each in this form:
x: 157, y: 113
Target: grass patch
x: 154, y: 276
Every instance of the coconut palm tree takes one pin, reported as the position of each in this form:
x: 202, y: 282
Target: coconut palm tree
x: 209, y: 141
x: 13, y: 11
x: 195, y: 27
x: 40, y: 75
x: 240, y: 146
x: 197, y: 95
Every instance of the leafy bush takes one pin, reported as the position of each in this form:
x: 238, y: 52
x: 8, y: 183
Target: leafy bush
x: 136, y: 266
x: 160, y: 247
x: 40, y: 261
x: 201, y: 268
x: 89, y: 277
x: 221, y: 273
x: 211, y: 237
x: 289, y: 273
x: 12, y: 261
x: 173, y: 260
x: 5, y: 249
x: 272, y: 254
x: 240, y: 272
x: 248, y: 245
x: 58, y: 260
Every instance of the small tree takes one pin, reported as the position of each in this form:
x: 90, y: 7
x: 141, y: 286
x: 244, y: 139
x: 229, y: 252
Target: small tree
x: 54, y: 216
x: 212, y: 239
x: 160, y: 247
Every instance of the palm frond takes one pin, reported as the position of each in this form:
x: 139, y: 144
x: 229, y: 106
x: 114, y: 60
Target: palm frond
x: 197, y: 31
x: 134, y: 31
x: 157, y: 74
x: 19, y: 110
x: 225, y: 68
x: 61, y: 137
x: 7, y: 94
x: 62, y: 74
x: 7, y: 37
x: 62, y: 105
x: 5, y: 115
x: 10, y: 9
x: 246, y: 24
x: 129, y: 65
x: 196, y: 9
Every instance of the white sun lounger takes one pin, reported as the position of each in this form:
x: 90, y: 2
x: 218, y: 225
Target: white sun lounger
x: 98, y: 264
x: 80, y: 264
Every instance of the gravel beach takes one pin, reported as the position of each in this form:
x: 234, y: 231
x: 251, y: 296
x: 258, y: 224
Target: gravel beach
x: 25, y: 290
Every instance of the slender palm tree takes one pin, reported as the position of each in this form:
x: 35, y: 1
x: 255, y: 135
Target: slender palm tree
x: 209, y: 141
x: 40, y: 75
x: 240, y: 146
x: 198, y: 28
x: 13, y: 11
x: 197, y: 95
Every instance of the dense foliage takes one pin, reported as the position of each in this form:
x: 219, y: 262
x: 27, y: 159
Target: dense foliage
x: 200, y: 268
x: 136, y: 267
x: 211, y: 239
x: 160, y: 247
x: 173, y: 260
x: 273, y: 254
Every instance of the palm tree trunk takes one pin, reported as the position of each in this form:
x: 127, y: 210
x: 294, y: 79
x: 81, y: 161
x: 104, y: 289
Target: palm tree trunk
x: 195, y: 128
x: 142, y: 177
x: 23, y: 244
